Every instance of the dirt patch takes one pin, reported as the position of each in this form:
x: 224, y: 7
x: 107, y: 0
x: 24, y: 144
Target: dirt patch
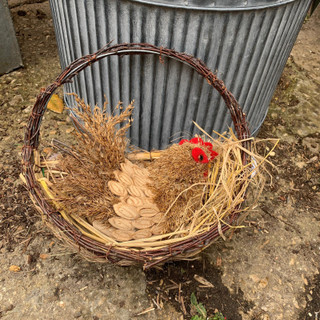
x: 175, y: 283
x: 306, y: 51
x: 313, y: 299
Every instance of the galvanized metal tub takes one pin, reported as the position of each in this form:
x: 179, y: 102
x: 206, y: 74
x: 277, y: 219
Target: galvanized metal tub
x: 10, y: 57
x: 247, y: 44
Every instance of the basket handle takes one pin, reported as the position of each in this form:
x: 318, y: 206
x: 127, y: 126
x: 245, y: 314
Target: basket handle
x: 31, y: 139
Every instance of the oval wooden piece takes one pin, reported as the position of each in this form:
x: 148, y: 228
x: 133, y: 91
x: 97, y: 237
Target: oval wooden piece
x: 127, y: 168
x: 107, y: 230
x: 148, y: 192
x: 158, y: 218
x: 134, y: 201
x: 117, y: 188
x: 121, y: 235
x: 143, y: 223
x: 121, y: 223
x: 158, y: 229
x: 126, y: 211
x: 142, y: 172
x: 148, y: 212
x: 140, y: 181
x: 142, y: 234
x: 128, y: 162
x: 124, y: 178
x: 116, y: 174
x: 135, y: 191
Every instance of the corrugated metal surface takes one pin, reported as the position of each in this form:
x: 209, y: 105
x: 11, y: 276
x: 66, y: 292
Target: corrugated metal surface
x: 247, y: 48
x: 10, y: 58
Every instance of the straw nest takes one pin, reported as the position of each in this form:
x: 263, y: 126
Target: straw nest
x: 140, y: 199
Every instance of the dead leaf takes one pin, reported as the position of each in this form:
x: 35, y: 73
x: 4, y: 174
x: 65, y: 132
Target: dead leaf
x: 14, y: 268
x: 44, y: 256
x: 55, y: 104
x: 203, y: 281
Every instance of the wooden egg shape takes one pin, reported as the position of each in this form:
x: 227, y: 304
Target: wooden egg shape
x: 107, y: 230
x: 140, y: 181
x: 150, y: 211
x: 126, y: 211
x: 134, y: 201
x: 135, y: 191
x: 122, y: 235
x: 121, y: 223
x: 116, y: 174
x: 125, y: 179
x: 128, y: 162
x: 158, y: 218
x: 143, y: 223
x: 148, y: 192
x: 142, y: 234
x: 127, y: 168
x: 158, y: 228
x: 117, y: 188
x: 142, y: 172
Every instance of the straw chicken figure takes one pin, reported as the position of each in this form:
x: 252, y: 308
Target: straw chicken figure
x: 123, y: 199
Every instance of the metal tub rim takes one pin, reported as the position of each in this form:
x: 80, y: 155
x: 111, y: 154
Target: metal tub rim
x: 160, y: 3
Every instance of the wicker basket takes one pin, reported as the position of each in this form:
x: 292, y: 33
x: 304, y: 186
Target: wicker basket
x: 157, y: 252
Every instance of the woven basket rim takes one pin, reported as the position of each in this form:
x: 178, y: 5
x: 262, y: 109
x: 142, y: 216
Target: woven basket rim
x: 110, y: 253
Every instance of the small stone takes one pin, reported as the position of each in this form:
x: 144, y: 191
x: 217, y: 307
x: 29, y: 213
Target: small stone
x: 300, y: 164
x: 313, y: 159
x: 9, y: 308
x: 29, y: 258
x: 78, y: 314
x: 15, y: 100
x: 44, y: 256
x: 304, y: 280
x: 27, y: 109
x: 254, y: 278
x: 14, y: 268
x: 263, y: 283
x: 69, y: 130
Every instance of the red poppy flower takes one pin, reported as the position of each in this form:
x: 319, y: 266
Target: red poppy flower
x: 196, y: 154
x: 183, y: 141
x: 199, y: 155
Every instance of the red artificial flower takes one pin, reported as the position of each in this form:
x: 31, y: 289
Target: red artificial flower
x: 197, y: 140
x: 183, y: 141
x: 195, y: 154
x: 199, y: 155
